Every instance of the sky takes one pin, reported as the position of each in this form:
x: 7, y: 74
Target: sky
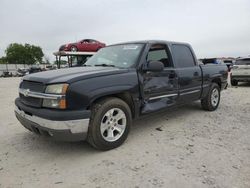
x: 214, y: 28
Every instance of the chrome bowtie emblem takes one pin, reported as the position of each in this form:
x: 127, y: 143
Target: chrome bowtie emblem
x: 26, y: 92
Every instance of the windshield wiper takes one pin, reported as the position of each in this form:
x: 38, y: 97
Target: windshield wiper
x: 105, y: 65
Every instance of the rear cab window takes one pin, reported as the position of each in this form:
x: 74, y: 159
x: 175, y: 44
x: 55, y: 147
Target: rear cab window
x: 182, y: 56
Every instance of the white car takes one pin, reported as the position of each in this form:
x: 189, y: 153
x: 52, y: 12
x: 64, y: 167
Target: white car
x: 241, y: 71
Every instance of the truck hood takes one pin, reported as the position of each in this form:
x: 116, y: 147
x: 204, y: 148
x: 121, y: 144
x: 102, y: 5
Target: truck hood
x: 70, y: 75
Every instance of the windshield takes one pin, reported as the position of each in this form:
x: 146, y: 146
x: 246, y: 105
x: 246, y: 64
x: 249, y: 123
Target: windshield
x: 243, y: 61
x: 122, y: 56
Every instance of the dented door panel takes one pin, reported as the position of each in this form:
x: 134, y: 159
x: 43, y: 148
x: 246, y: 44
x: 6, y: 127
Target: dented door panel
x: 160, y: 90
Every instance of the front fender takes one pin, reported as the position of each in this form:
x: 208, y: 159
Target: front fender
x: 102, y: 92
x: 82, y: 93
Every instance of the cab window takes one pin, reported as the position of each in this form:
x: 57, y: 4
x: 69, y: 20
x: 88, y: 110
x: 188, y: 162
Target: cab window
x: 182, y: 56
x: 158, y: 52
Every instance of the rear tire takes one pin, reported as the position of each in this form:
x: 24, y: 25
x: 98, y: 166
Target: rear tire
x: 110, y: 123
x: 212, y: 100
x: 234, y: 82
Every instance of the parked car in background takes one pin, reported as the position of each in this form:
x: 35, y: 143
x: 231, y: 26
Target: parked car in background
x: 49, y: 67
x: 35, y: 69
x: 241, y: 71
x: 118, y: 84
x: 85, y: 45
x: 212, y: 61
x: 220, y: 61
x: 6, y: 74
x: 22, y: 71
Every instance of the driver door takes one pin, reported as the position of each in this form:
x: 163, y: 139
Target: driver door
x: 160, y: 89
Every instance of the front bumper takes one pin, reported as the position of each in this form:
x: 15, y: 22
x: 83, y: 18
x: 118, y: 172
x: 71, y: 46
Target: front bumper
x: 53, y: 126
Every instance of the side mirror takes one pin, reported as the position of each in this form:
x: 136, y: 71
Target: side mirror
x: 154, y: 66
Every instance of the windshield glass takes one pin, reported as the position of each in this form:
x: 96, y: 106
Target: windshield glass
x: 243, y: 62
x: 122, y: 56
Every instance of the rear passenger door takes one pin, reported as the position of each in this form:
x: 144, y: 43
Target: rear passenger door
x: 189, y: 73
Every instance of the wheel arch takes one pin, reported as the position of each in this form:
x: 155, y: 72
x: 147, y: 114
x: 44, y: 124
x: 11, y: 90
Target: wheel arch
x: 125, y: 96
x: 217, y: 81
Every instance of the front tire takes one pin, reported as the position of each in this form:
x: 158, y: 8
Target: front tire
x: 109, y: 123
x: 212, y: 100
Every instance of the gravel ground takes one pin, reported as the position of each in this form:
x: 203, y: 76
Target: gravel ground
x: 184, y: 147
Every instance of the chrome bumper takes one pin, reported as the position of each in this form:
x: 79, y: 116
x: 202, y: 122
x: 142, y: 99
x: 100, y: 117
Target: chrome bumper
x: 74, y: 126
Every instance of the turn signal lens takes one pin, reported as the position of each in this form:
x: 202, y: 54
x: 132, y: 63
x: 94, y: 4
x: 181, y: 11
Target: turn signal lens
x: 62, y: 104
x: 64, y: 88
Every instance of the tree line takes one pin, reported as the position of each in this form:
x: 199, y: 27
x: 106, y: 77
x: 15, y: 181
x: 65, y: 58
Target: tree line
x: 22, y: 54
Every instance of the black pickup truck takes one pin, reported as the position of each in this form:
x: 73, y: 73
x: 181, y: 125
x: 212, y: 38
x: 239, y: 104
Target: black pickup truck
x: 121, y: 82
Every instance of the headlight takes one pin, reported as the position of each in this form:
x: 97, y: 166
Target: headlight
x: 57, y: 90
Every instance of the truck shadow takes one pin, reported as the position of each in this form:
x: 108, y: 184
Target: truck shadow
x: 55, y: 148
x: 162, y: 117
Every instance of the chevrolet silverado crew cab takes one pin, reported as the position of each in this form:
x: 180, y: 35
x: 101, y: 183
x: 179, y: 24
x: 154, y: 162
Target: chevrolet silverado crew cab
x: 241, y: 71
x: 121, y: 82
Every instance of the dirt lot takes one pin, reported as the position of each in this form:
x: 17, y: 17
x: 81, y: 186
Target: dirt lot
x: 184, y: 147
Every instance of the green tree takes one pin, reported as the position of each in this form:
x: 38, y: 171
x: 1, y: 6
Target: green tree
x: 2, y: 60
x: 23, y: 54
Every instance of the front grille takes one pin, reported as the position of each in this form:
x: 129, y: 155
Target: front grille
x: 32, y: 86
x: 31, y: 101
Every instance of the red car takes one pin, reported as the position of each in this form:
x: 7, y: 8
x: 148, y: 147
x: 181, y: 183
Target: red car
x: 85, y: 45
